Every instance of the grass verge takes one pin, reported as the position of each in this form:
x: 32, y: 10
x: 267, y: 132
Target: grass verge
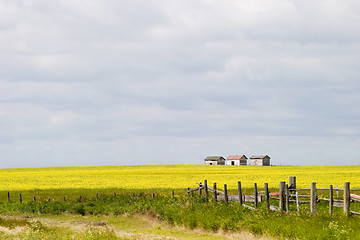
x: 188, y: 212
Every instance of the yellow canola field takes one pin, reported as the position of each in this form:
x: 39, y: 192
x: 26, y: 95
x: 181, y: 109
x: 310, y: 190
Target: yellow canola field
x: 174, y: 176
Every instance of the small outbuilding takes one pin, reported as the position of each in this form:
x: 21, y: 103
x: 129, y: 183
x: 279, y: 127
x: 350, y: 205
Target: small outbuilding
x: 260, y: 160
x: 236, y: 160
x: 214, y: 160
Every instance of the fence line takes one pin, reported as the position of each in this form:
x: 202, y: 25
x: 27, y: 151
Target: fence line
x: 286, y: 194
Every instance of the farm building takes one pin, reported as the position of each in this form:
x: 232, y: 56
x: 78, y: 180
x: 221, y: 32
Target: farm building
x: 260, y: 160
x: 214, y: 160
x: 236, y: 160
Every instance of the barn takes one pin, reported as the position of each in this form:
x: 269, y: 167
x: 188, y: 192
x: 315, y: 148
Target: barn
x: 214, y: 160
x: 236, y: 160
x: 260, y: 160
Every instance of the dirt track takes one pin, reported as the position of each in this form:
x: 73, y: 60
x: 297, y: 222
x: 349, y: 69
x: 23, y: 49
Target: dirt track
x: 149, y: 223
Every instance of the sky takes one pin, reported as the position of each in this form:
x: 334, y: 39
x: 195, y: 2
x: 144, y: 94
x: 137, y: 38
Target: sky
x: 130, y: 82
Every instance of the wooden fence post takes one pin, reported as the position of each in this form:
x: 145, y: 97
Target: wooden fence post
x: 292, y: 184
x: 8, y: 196
x: 97, y: 196
x: 64, y: 199
x: 215, y: 193
x: 172, y: 194
x: 200, y: 193
x: 337, y: 191
x: 255, y: 196
x: 153, y: 195
x: 114, y: 194
x: 225, y: 194
x: 331, y: 200
x: 20, y: 198
x: 239, y: 193
x: 297, y: 202
x: 313, y: 197
x: 347, y: 198
x: 282, y: 196
x: 34, y: 199
x: 206, y: 191
x: 188, y: 191
x: 287, y: 198
x: 267, y: 203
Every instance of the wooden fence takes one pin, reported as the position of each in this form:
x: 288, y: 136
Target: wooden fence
x: 287, y: 193
x: 33, y: 198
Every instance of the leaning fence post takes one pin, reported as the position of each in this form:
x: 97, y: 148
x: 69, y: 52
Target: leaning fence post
x: 215, y: 193
x: 297, y: 202
x: 282, y: 196
x: 239, y: 193
x: 287, y: 198
x: 331, y: 200
x: 347, y: 198
x: 206, y: 191
x: 225, y: 194
x: 267, y: 203
x: 313, y: 197
x: 255, y: 196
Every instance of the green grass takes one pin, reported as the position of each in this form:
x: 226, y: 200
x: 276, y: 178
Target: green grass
x: 193, y: 212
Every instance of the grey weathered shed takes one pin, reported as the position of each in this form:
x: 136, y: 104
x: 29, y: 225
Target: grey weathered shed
x: 214, y: 160
x: 260, y: 160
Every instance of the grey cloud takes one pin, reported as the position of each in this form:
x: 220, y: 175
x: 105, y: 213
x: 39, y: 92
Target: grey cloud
x: 114, y: 80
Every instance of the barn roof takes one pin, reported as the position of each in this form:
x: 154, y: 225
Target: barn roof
x: 214, y: 158
x: 259, y: 157
x: 235, y: 157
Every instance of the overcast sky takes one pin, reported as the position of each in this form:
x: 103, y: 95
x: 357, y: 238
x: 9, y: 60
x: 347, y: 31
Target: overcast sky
x: 162, y: 81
